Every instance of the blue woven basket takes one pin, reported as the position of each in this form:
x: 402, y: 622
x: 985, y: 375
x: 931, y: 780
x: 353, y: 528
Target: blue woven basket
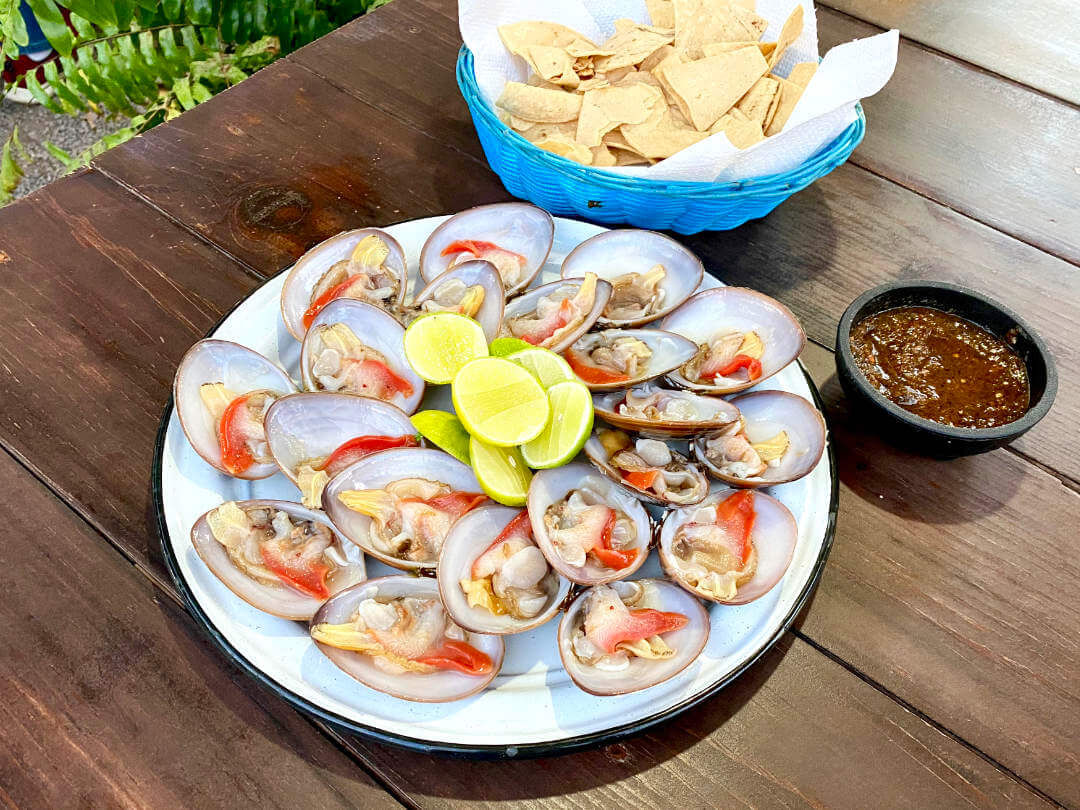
x: 563, y: 186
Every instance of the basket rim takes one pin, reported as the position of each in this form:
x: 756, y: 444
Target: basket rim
x: 820, y: 163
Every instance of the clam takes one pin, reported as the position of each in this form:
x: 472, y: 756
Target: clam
x: 651, y: 274
x: 554, y: 315
x: 393, y: 635
x: 493, y: 578
x: 471, y: 288
x: 618, y: 358
x: 619, y: 638
x: 222, y: 391
x: 744, y: 337
x: 733, y: 547
x: 590, y: 529
x: 357, y: 348
x: 399, y: 505
x: 277, y: 556
x: 780, y: 438
x: 515, y: 237
x: 650, y: 469
x: 366, y: 264
x: 658, y: 412
x: 314, y: 436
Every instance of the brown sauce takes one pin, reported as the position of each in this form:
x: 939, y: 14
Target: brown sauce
x: 941, y: 367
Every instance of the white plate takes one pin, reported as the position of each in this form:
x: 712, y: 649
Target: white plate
x: 532, y: 707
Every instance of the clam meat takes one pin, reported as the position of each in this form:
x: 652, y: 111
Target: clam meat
x: 729, y: 359
x: 278, y: 556
x: 655, y: 411
x: 393, y: 634
x: 617, y: 358
x: 636, y: 296
x: 313, y: 474
x: 472, y: 289
x: 648, y: 467
x: 629, y: 635
x: 555, y: 315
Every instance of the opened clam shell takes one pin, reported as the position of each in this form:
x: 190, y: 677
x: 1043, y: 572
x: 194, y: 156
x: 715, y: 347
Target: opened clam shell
x: 391, y: 378
x: 241, y: 371
x: 375, y: 473
x: 439, y: 686
x: 773, y: 536
x: 298, y: 291
x: 614, y: 358
x: 468, y: 540
x: 626, y: 672
x: 678, y: 480
x: 551, y: 489
x: 523, y: 310
x: 272, y: 597
x: 446, y: 291
x: 728, y: 311
x: 768, y: 416
x: 615, y: 255
x: 309, y: 427
x: 513, y: 228
x: 665, y: 413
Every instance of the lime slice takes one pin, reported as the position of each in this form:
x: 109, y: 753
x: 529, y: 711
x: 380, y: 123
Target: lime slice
x: 500, y: 347
x: 445, y: 431
x: 501, y: 471
x: 498, y: 402
x: 569, y: 428
x: 548, y: 367
x: 439, y: 344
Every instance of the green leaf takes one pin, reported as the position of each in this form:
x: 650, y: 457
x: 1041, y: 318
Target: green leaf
x: 53, y: 25
x: 13, y: 32
x: 39, y: 94
x: 230, y: 19
x: 83, y: 27
x: 10, y: 171
x: 201, y: 93
x: 200, y: 12
x: 172, y: 8
x: 182, y: 89
x: 256, y: 55
x: 61, y: 155
x: 101, y: 13
x: 67, y: 97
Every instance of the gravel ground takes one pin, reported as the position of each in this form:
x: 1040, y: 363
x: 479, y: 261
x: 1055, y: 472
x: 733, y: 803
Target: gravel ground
x: 36, y: 126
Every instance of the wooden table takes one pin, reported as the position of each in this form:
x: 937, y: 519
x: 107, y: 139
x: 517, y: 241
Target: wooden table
x: 939, y: 662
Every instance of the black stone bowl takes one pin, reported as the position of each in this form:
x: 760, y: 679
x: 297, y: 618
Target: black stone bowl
x: 923, y: 436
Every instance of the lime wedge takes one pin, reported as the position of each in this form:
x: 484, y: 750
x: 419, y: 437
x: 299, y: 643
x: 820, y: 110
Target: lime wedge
x: 501, y: 471
x: 548, y: 367
x: 439, y: 344
x: 498, y: 402
x: 569, y: 428
x: 445, y: 431
x: 500, y: 347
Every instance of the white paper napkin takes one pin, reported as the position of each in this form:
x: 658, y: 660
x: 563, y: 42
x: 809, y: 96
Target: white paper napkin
x: 848, y: 73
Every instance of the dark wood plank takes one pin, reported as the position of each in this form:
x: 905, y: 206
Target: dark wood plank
x: 1033, y: 43
x: 956, y: 585
x: 998, y: 152
x: 111, y: 698
x: 100, y: 296
x: 280, y: 163
x: 796, y: 731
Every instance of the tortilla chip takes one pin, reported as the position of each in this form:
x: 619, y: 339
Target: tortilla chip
x: 539, y: 81
x: 624, y: 157
x: 539, y: 104
x: 802, y: 73
x: 749, y: 5
x: 661, y: 12
x: 759, y: 103
x: 741, y: 133
x: 789, y: 96
x: 604, y: 109
x: 714, y: 48
x: 519, y: 36
x: 616, y: 76
x: 616, y: 140
x: 790, y: 32
x: 658, y: 56
x: 632, y: 43
x: 663, y: 139
x: 566, y: 131
x: 698, y: 22
x: 673, y: 58
x: 638, y: 77
x: 567, y: 149
x: 707, y: 88
x: 552, y: 64
x: 601, y: 156
x: 595, y: 83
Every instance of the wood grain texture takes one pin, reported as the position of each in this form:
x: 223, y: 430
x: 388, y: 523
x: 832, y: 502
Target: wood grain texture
x: 1033, y: 43
x: 995, y: 151
x: 956, y: 585
x: 279, y: 163
x: 99, y: 298
x: 111, y: 698
x: 796, y: 731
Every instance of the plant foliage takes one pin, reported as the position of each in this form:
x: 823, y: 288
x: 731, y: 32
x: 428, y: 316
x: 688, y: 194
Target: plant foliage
x: 149, y: 60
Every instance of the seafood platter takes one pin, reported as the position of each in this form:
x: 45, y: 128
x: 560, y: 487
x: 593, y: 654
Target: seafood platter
x: 329, y: 543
